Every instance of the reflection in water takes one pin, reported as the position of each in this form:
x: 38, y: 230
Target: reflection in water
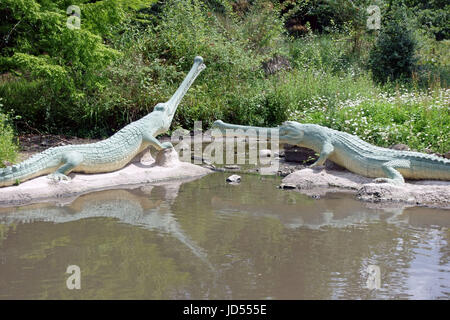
x: 206, y: 239
x: 133, y: 208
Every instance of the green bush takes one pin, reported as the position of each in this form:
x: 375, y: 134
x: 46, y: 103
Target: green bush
x: 8, y: 143
x: 393, y: 55
x: 324, y: 16
x: 432, y: 16
x: 56, y: 69
x: 433, y: 65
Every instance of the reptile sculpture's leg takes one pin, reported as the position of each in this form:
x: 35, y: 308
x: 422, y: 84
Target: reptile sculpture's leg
x: 70, y: 160
x: 393, y: 176
x: 325, y: 152
x: 155, y: 143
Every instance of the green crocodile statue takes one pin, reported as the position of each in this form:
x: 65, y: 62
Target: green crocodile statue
x: 107, y: 155
x: 356, y: 155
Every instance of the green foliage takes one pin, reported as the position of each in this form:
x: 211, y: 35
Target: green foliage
x: 324, y: 16
x: 433, y: 16
x: 130, y: 55
x: 330, y: 53
x: 8, y: 143
x: 261, y: 27
x: 65, y: 63
x: 156, y: 59
x: 393, y: 55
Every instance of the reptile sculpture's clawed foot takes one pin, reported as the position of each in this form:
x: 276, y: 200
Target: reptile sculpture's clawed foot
x: 56, y: 177
x: 387, y: 180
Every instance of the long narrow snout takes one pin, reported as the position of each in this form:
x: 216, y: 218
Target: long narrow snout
x: 245, y: 130
x: 175, y: 100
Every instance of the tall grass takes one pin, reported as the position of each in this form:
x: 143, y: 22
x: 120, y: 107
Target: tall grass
x: 8, y: 142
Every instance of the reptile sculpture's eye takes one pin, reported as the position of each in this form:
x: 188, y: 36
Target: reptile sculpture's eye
x: 160, y: 107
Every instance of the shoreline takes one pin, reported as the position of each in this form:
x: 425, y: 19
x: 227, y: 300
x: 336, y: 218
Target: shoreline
x: 294, y: 173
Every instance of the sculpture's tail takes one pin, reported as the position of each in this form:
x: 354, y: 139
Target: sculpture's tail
x: 37, y: 165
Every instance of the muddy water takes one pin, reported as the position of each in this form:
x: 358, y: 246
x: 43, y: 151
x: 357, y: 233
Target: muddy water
x: 206, y: 239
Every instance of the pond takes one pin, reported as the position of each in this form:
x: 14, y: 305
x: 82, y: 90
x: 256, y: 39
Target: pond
x: 206, y: 239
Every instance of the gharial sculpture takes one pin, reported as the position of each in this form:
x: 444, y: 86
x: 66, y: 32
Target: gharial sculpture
x: 356, y: 155
x: 107, y: 155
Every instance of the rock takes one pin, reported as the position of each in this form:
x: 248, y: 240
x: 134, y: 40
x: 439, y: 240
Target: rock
x: 330, y: 165
x: 400, y: 147
x: 288, y: 186
x: 447, y: 155
x: 284, y: 172
x: 265, y: 153
x: 288, y: 146
x: 280, y: 154
x: 207, y: 162
x: 319, y: 182
x: 210, y: 166
x: 272, y: 170
x: 377, y: 192
x: 207, y: 138
x: 276, y: 64
x: 307, y: 179
x: 42, y: 189
x: 179, y: 134
x: 199, y: 160
x: 183, y: 146
x: 299, y: 154
x: 167, y: 158
x: 232, y: 167
x: 234, y: 178
x: 147, y: 158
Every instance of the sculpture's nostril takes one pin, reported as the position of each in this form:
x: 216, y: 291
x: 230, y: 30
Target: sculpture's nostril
x: 198, y: 59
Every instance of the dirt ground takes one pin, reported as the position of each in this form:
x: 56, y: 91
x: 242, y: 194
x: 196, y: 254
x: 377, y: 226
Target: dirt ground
x: 33, y: 143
